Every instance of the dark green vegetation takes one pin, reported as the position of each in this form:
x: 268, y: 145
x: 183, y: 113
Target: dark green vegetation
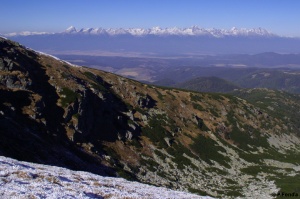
x: 156, y: 132
x: 208, y: 150
x: 69, y: 96
x: 86, y: 119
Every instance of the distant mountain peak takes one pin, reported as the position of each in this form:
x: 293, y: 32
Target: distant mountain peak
x: 71, y: 29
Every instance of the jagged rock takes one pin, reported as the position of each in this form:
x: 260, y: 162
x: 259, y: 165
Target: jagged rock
x: 132, y: 126
x: 102, y: 119
x: 2, y: 66
x: 130, y: 115
x: 200, y: 122
x: 71, y: 110
x: 10, y: 81
x: 167, y: 141
x: 8, y: 64
x: 145, y: 101
x: 13, y: 81
x: 144, y: 118
x: 128, y: 135
x: 178, y: 130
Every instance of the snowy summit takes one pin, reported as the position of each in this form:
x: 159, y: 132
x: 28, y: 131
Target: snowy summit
x: 71, y: 29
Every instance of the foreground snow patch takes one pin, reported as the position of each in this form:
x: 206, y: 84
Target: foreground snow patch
x: 27, y: 180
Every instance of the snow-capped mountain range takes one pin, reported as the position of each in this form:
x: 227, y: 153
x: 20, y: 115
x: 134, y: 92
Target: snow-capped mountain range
x: 191, y: 31
x: 159, y: 40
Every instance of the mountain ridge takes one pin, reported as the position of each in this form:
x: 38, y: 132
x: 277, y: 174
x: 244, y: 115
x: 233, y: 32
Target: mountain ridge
x: 159, y: 41
x: 192, y: 31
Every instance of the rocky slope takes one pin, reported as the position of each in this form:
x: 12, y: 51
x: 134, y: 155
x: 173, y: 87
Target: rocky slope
x: 55, y: 113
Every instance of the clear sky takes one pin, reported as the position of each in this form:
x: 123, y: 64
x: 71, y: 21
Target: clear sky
x: 278, y: 16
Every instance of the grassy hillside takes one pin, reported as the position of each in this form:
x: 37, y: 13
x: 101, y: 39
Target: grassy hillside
x: 279, y: 104
x: 208, y: 84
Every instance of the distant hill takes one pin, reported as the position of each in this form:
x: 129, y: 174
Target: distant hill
x: 286, y: 80
x: 229, y: 78
x: 208, y: 84
x: 165, y: 82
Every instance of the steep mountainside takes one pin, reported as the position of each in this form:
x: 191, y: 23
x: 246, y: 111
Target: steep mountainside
x: 55, y: 113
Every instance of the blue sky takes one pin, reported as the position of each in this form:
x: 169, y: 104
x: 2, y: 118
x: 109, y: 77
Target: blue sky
x: 278, y: 16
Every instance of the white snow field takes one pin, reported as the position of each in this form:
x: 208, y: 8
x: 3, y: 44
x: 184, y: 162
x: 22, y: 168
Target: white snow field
x: 28, y: 180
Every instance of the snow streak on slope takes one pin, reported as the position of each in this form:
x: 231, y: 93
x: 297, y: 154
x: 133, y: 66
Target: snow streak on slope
x: 56, y: 58
x: 28, y: 180
x: 3, y: 37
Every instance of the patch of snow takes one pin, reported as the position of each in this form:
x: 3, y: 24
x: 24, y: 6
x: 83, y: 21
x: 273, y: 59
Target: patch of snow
x: 3, y: 37
x: 29, y: 180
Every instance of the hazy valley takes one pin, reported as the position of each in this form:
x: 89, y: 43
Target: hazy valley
x: 266, y: 70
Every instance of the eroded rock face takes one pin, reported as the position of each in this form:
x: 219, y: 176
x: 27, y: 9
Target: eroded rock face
x: 71, y: 110
x: 6, y: 64
x: 2, y: 65
x: 102, y: 119
x: 14, y: 81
